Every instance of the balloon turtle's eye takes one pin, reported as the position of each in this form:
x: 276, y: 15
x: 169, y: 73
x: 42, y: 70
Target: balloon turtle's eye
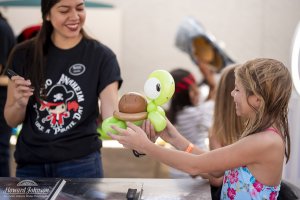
x: 158, y: 87
x: 152, y: 88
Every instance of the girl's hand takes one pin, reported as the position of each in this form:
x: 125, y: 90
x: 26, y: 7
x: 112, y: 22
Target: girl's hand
x: 172, y: 136
x: 22, y: 90
x: 133, y: 137
x: 149, y: 130
x: 169, y: 134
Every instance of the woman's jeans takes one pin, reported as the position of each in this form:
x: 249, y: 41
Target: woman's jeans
x: 89, y: 166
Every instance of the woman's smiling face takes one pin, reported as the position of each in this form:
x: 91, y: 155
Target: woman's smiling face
x: 67, y: 18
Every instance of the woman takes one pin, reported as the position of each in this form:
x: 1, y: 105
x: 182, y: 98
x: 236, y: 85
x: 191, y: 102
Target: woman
x: 61, y: 75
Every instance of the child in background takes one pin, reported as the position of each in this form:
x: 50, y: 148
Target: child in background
x: 191, y: 119
x: 227, y: 126
x: 29, y: 32
x: 252, y: 166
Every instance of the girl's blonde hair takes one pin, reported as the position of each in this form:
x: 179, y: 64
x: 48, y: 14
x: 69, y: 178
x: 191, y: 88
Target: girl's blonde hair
x: 227, y: 126
x: 271, y: 82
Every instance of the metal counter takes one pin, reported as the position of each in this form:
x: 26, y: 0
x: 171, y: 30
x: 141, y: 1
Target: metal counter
x: 103, y: 189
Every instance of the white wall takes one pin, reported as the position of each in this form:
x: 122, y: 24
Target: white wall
x: 101, y: 23
x: 142, y: 32
x: 249, y: 29
x: 292, y: 169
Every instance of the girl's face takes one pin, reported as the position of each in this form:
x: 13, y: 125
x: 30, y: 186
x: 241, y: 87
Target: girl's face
x: 67, y: 18
x: 240, y: 99
x: 194, y: 94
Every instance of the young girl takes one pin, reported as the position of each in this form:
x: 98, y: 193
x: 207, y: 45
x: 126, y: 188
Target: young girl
x: 252, y: 167
x: 62, y: 73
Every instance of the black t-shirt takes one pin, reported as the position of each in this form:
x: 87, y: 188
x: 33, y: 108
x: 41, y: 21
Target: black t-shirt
x: 63, y: 126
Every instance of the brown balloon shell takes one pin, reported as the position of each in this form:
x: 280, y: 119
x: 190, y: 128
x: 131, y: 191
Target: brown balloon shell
x: 130, y: 116
x: 132, y: 102
x: 132, y: 107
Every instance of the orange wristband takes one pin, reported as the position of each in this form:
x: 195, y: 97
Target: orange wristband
x: 190, y: 148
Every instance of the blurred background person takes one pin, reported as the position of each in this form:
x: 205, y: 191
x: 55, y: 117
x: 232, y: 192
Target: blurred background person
x: 226, y: 126
x: 7, y: 41
x: 191, y: 118
x: 28, y: 32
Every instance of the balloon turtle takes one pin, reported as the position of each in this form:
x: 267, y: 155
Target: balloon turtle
x: 134, y: 107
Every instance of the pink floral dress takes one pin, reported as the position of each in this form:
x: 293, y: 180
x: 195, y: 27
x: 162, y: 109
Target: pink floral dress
x: 240, y: 184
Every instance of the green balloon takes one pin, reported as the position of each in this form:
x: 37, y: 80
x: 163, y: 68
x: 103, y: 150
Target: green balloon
x: 161, y: 111
x: 106, y: 126
x: 167, y: 85
x: 102, y: 135
x: 157, y: 120
x: 164, y: 87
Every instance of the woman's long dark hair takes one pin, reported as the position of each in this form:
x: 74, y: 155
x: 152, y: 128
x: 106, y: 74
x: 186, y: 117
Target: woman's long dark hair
x: 2, y: 17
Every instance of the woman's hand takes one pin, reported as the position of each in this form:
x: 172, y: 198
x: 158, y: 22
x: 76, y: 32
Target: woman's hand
x: 19, y: 91
x: 22, y: 90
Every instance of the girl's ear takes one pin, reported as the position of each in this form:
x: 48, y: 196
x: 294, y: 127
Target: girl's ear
x: 255, y: 101
x: 48, y: 17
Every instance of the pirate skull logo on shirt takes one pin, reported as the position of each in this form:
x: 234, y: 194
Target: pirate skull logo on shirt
x: 58, y: 104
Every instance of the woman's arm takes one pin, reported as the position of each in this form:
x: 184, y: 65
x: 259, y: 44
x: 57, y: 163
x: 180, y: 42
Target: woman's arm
x: 18, y: 94
x: 3, y: 77
x: 109, y: 100
x: 3, y: 80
